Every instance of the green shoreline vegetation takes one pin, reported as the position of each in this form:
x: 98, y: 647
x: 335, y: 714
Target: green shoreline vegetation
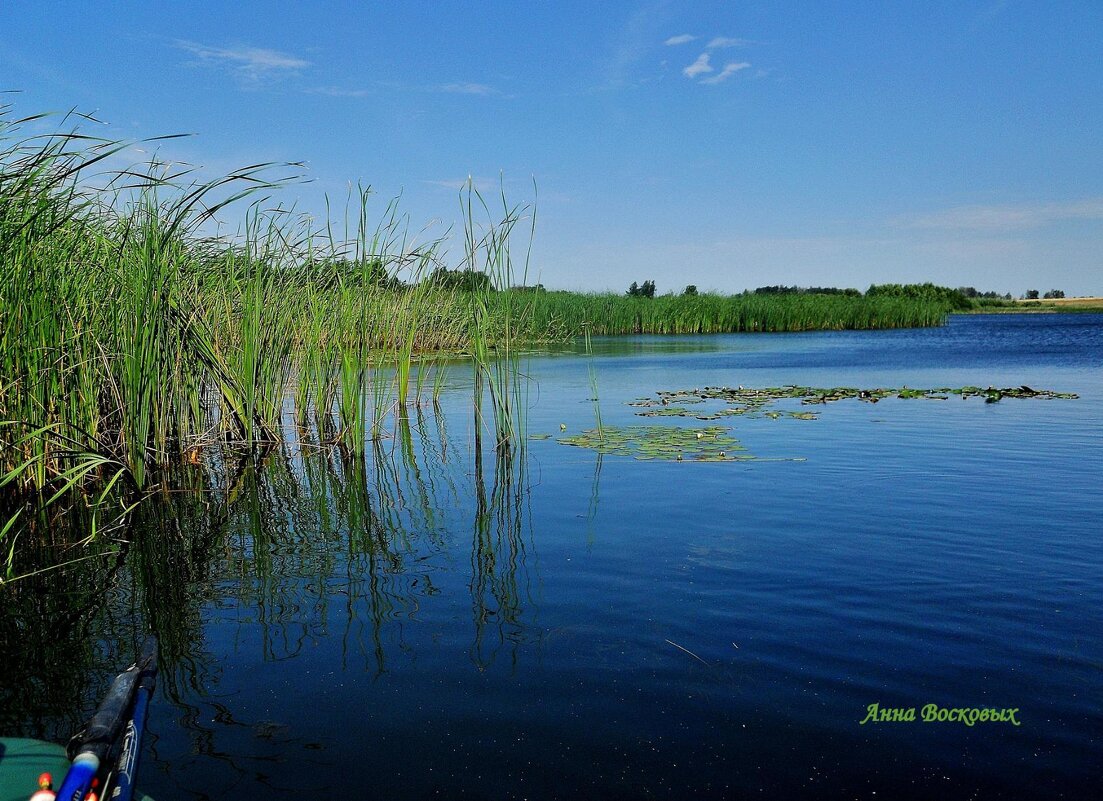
x: 133, y: 341
x: 568, y: 313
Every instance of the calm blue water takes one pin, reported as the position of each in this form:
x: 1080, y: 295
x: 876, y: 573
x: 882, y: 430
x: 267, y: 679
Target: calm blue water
x: 576, y: 626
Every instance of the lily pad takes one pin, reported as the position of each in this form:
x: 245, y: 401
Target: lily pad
x: 755, y: 402
x: 668, y: 443
x: 665, y: 411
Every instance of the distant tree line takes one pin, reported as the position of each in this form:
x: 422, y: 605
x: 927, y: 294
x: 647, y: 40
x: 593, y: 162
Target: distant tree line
x: 647, y: 290
x: 371, y: 272
x: 463, y: 280
x: 973, y: 294
x: 363, y: 272
x: 928, y: 291
x: 806, y: 290
x: 961, y: 298
x: 964, y: 297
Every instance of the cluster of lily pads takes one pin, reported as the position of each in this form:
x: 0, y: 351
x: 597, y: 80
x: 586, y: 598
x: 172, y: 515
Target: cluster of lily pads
x: 715, y: 444
x: 753, y: 402
x: 671, y: 443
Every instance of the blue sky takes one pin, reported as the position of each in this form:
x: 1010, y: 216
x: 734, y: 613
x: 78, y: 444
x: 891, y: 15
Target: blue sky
x: 729, y: 145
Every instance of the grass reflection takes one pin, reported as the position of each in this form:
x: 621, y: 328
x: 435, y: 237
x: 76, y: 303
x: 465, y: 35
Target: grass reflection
x: 500, y: 590
x: 260, y: 558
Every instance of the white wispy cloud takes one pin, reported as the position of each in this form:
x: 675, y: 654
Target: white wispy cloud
x: 1006, y: 217
x: 729, y: 70
x: 468, y: 89
x: 635, y: 40
x: 698, y: 67
x: 483, y: 185
x: 338, y: 91
x: 682, y: 38
x: 727, y: 41
x: 250, y: 65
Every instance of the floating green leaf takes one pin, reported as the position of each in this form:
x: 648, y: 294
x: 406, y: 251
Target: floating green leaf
x: 670, y: 443
x: 665, y: 411
x: 753, y: 402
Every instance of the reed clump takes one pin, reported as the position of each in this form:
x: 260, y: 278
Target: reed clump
x: 131, y: 340
x: 612, y: 314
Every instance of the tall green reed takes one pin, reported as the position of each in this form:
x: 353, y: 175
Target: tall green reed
x: 499, y: 316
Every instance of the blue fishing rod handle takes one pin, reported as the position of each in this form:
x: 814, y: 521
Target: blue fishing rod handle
x: 127, y: 771
x: 78, y: 781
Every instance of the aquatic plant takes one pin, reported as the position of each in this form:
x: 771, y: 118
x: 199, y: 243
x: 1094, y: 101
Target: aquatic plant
x: 497, y: 318
x: 665, y: 443
x: 592, y: 373
x: 752, y: 402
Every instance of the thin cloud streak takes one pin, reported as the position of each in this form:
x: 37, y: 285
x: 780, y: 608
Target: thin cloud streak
x: 337, y: 91
x: 725, y: 41
x: 468, y: 89
x: 680, y: 39
x: 250, y: 65
x: 483, y: 185
x: 635, y: 40
x: 1005, y: 218
x: 698, y: 67
x: 728, y: 71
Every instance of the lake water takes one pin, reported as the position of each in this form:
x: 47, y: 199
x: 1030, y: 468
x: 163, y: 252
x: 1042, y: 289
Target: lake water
x: 569, y: 625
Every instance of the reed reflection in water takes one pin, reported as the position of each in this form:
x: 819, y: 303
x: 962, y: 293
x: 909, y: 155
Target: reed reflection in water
x: 305, y: 549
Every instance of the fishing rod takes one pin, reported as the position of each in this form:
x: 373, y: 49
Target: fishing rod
x: 125, y: 706
x: 121, y: 786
